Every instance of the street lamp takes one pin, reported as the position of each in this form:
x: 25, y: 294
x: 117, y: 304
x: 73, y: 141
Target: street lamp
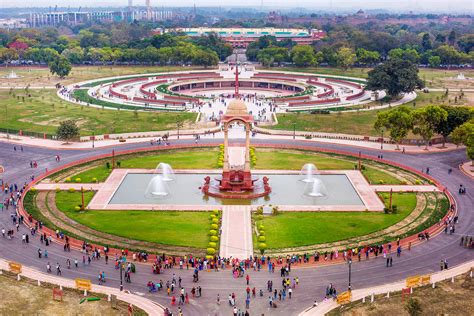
x: 93, y: 139
x: 179, y: 124
x: 350, y: 265
x: 121, y: 281
x: 294, y: 130
x: 381, y: 139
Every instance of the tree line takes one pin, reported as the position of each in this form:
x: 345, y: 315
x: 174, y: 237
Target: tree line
x: 456, y: 123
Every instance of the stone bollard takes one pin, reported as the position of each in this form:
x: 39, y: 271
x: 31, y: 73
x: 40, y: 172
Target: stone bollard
x: 372, y: 298
x: 18, y: 277
x: 469, y: 273
x: 363, y: 300
x: 39, y: 283
x: 411, y: 290
x: 61, y: 287
x: 85, y: 292
x: 433, y: 285
x: 388, y: 294
x: 108, y: 298
x: 452, y: 279
x: 1, y: 272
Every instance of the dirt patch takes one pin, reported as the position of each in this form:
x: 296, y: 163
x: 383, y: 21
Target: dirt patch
x: 26, y: 298
x: 446, y: 299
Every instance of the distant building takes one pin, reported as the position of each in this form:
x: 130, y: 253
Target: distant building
x: 242, y: 37
x: 13, y: 23
x: 74, y: 18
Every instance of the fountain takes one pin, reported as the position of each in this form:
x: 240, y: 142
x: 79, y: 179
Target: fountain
x: 165, y: 171
x: 157, y: 187
x: 12, y: 75
x: 316, y: 188
x: 307, y: 172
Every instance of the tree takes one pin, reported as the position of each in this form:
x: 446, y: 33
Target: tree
x: 466, y: 43
x: 367, y: 57
x: 464, y: 135
x: 60, y: 66
x: 395, y: 76
x: 434, y: 61
x: 456, y: 117
x: 413, y: 307
x: 205, y: 58
x: 303, y: 56
x: 7, y: 55
x: 75, y: 55
x: 67, y: 130
x: 426, y: 120
x: 345, y: 57
x: 452, y: 37
x: 269, y: 55
x: 398, y: 121
x: 426, y: 42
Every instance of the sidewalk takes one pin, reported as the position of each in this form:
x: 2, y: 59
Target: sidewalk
x: 328, y: 305
x: 150, y: 307
x: 342, y: 140
x: 236, y: 237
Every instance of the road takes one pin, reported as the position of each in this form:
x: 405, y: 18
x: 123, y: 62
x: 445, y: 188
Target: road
x: 421, y: 259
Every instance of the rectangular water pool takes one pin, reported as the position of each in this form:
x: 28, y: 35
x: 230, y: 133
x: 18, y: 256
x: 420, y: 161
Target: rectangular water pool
x: 287, y: 189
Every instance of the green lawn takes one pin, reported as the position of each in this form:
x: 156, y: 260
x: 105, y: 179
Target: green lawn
x: 354, y: 123
x: 43, y: 111
x: 207, y: 159
x: 375, y: 176
x: 289, y: 160
x: 170, y: 228
x: 293, y: 229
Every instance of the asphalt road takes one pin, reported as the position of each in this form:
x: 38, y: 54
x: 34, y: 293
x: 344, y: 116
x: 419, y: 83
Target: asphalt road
x: 421, y: 259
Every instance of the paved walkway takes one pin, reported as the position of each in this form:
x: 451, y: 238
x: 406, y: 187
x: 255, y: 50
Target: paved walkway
x: 405, y: 188
x: 236, y: 236
x: 327, y: 138
x: 467, y: 168
x: 150, y: 307
x: 67, y: 186
x: 328, y: 305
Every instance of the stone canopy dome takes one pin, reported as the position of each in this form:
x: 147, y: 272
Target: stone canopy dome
x: 236, y: 108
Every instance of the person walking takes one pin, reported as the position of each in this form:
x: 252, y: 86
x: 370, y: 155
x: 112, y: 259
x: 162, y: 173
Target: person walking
x: 58, y: 269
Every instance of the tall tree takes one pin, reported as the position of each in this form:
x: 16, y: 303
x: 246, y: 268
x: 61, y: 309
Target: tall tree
x: 67, y: 130
x: 456, y: 117
x: 303, y: 56
x: 426, y: 42
x: 345, y: 57
x: 426, y: 120
x: 398, y: 121
x: 60, y: 66
x: 395, y: 76
x: 464, y: 134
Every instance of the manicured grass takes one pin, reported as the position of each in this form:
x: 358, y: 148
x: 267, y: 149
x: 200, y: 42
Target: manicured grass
x: 170, y: 228
x: 289, y: 160
x: 353, y: 123
x: 43, y: 111
x: 293, y: 229
x: 42, y: 76
x: 207, y: 159
x: 375, y: 176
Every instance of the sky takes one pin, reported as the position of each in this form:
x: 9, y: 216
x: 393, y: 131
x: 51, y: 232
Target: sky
x: 447, y: 6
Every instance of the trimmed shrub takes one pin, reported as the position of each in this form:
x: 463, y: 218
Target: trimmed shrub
x: 215, y: 220
x: 214, y: 238
x: 67, y: 180
x: 262, y: 239
x: 216, y: 212
x: 261, y: 227
x: 262, y: 245
x: 381, y: 182
x: 33, y: 189
x: 77, y: 208
x: 78, y: 180
x: 261, y: 233
x: 212, y: 244
x: 212, y: 216
x: 213, y: 232
x: 94, y: 180
x: 72, y: 190
x: 58, y: 190
x: 211, y: 251
x: 214, y: 226
x: 417, y: 182
x: 260, y: 217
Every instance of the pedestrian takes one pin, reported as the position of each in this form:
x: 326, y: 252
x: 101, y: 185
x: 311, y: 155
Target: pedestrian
x: 58, y: 269
x: 247, y: 278
x: 218, y: 300
x: 247, y: 303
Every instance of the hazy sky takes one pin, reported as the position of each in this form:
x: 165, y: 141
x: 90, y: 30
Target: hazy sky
x: 463, y: 6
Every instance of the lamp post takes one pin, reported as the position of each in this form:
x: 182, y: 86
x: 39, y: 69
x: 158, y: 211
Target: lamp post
x: 178, y: 125
x: 93, y: 139
x: 350, y: 265
x: 294, y: 130
x: 381, y: 139
x: 121, y: 280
